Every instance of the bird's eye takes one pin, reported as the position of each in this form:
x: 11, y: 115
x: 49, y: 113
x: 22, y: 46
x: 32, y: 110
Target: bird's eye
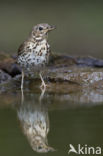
x: 40, y: 28
x: 40, y: 147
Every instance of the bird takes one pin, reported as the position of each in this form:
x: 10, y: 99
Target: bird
x: 34, y: 52
x: 35, y: 124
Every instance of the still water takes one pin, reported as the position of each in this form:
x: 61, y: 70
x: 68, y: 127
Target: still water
x: 37, y: 121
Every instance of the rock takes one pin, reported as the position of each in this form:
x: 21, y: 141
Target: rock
x: 9, y: 65
x: 89, y: 61
x: 62, y: 60
x: 66, y: 60
x: 62, y: 68
x: 80, y: 70
x: 75, y: 74
x: 74, y: 81
x: 4, y: 76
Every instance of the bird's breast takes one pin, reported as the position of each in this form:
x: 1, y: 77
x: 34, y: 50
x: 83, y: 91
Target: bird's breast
x: 35, y: 56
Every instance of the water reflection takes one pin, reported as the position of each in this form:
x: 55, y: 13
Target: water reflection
x: 76, y: 117
x: 34, y: 120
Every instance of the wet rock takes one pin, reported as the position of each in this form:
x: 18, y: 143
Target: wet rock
x: 9, y: 65
x: 4, y: 76
x: 89, y: 61
x: 80, y: 70
x: 74, y: 74
x: 66, y: 60
x: 62, y: 60
x: 62, y: 68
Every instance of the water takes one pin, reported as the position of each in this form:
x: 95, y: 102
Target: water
x: 34, y: 121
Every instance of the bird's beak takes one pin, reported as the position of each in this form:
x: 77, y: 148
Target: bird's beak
x: 51, y: 28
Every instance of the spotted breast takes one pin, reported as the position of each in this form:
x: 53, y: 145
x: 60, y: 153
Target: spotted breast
x: 34, y: 56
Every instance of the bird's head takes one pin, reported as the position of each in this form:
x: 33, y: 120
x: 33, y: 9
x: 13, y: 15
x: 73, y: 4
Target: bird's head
x: 40, y: 145
x: 40, y: 31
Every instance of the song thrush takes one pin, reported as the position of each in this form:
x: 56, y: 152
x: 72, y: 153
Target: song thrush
x: 33, y: 54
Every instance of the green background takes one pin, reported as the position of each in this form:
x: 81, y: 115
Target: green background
x: 79, y: 24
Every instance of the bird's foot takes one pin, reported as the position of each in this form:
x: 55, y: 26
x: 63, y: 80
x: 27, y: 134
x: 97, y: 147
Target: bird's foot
x: 43, y: 86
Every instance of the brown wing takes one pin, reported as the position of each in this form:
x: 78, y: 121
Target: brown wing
x: 21, y: 48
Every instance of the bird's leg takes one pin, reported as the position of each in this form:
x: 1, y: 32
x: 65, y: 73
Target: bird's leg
x: 42, y: 94
x: 22, y: 80
x: 22, y: 96
x: 43, y: 85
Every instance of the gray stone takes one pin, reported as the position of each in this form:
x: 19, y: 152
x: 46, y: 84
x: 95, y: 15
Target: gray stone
x: 4, y: 76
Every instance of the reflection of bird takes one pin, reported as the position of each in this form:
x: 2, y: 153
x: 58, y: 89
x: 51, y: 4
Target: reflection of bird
x: 34, y: 53
x: 35, y: 124
x: 72, y: 149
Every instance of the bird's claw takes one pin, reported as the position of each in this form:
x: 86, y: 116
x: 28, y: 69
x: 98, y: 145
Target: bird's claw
x: 43, y: 86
